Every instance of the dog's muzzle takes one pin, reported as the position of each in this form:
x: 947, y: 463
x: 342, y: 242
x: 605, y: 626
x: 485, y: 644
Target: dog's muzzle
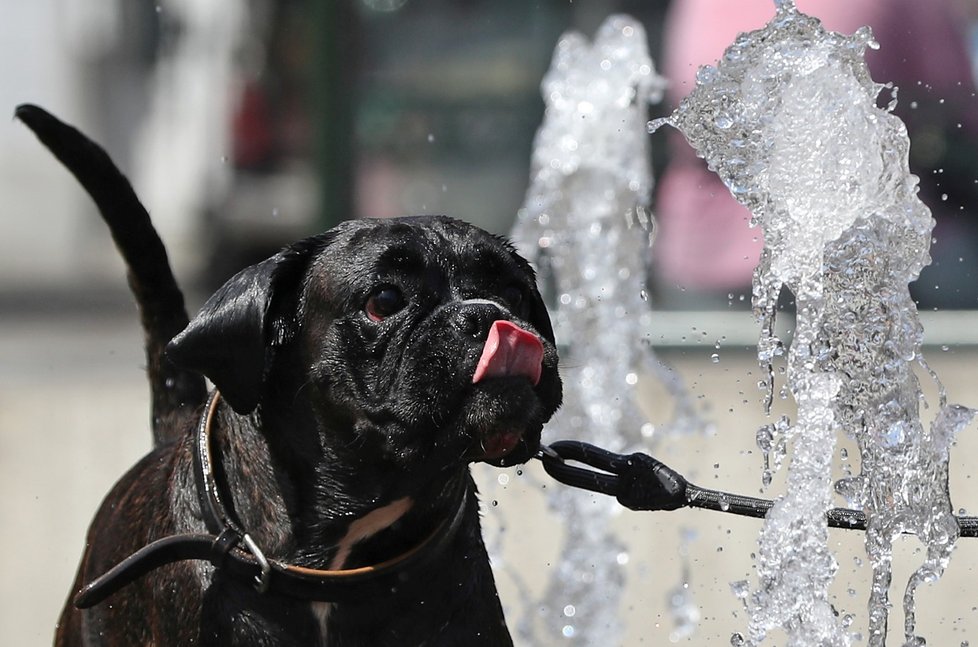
x: 510, y: 351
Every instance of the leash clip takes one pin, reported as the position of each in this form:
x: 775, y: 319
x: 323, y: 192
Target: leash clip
x: 261, y: 581
x: 638, y: 481
x: 546, y: 451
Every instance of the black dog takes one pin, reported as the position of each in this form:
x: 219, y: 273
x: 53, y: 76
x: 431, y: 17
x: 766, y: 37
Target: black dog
x: 321, y: 495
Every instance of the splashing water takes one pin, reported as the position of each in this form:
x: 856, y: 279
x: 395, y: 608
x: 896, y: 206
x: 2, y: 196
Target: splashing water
x: 682, y: 607
x: 585, y: 225
x: 788, y: 119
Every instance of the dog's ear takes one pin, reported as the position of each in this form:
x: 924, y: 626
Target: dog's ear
x: 234, y: 336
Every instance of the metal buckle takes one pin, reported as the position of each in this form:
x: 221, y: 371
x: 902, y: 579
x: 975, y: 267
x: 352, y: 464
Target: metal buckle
x: 549, y: 452
x: 261, y: 581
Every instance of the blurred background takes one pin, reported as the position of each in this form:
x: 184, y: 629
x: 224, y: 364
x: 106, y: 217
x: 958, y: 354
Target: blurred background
x: 246, y: 124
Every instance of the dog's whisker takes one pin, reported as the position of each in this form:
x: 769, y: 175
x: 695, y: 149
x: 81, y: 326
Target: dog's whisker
x: 299, y: 391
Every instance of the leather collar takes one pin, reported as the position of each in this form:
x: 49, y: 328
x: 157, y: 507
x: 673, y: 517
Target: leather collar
x: 231, y: 550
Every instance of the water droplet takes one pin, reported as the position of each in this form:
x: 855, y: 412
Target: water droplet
x: 740, y: 589
x: 706, y: 74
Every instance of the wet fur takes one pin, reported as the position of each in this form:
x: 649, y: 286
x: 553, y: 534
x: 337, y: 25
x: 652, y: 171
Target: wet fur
x: 342, y: 439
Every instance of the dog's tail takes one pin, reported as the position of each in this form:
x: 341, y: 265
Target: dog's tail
x: 176, y: 392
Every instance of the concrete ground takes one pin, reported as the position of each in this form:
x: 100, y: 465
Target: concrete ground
x: 74, y: 416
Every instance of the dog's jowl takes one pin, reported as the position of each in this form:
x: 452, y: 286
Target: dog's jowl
x: 320, y: 493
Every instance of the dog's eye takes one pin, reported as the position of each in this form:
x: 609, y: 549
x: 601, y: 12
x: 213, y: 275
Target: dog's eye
x: 384, y: 302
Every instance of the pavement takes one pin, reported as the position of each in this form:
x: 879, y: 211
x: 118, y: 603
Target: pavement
x: 73, y: 417
x: 74, y: 414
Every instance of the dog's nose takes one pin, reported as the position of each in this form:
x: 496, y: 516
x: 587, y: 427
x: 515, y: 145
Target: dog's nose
x: 475, y: 316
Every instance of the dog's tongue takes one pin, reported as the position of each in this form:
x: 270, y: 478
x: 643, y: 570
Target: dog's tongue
x: 510, y: 351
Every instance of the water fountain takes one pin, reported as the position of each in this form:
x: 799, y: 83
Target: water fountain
x: 789, y: 120
x: 585, y: 224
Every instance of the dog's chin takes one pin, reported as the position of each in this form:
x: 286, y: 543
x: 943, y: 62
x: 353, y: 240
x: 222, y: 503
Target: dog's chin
x: 520, y: 452
x: 506, y: 418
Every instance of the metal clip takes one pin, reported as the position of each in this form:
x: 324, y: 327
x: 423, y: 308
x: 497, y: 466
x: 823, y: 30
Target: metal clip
x: 549, y: 452
x: 261, y: 581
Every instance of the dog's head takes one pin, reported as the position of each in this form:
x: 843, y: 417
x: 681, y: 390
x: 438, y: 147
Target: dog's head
x: 423, y: 340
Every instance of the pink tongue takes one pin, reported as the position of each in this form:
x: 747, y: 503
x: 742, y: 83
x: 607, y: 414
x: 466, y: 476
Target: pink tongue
x: 510, y: 351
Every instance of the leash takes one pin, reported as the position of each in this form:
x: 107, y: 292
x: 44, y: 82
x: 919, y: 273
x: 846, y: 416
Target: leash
x: 231, y: 550
x: 640, y: 482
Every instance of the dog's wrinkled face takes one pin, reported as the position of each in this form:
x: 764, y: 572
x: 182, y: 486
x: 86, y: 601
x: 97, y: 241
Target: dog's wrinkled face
x: 404, y: 330
x: 422, y: 340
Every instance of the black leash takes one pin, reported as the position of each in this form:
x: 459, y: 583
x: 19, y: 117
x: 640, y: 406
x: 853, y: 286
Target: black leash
x: 640, y: 482
x: 231, y: 549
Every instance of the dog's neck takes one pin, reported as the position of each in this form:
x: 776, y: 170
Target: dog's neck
x: 354, y: 518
